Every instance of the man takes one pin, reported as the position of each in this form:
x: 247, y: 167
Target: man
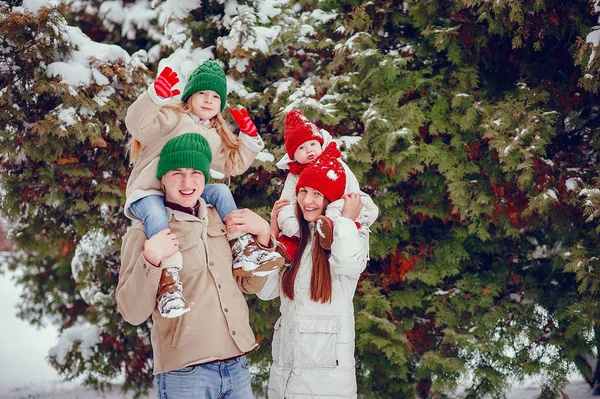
x: 202, y: 352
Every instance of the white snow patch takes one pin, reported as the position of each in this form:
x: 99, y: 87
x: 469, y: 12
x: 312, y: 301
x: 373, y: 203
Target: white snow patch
x: 76, y: 71
x: 86, y: 334
x: 402, y: 132
x: 572, y: 183
x: 322, y: 16
x: 68, y: 116
x: 550, y: 194
x: 265, y: 156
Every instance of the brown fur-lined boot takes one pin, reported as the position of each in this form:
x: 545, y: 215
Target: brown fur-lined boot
x: 169, y: 298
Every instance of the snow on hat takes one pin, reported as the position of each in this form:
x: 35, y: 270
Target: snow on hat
x: 298, y: 130
x: 208, y: 76
x: 326, y: 174
x: 189, y: 150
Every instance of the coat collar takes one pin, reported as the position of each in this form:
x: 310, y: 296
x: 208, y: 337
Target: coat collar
x: 180, y: 213
x: 204, y: 122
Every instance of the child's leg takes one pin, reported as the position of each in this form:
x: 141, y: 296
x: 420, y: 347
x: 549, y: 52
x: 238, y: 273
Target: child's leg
x: 151, y: 210
x: 219, y: 196
x: 249, y: 258
x: 169, y: 297
x: 287, y: 247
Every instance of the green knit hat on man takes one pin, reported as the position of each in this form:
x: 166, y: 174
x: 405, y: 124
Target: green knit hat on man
x: 208, y: 76
x: 190, y: 150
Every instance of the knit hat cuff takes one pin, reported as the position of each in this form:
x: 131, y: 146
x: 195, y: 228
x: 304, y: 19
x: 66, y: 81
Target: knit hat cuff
x: 189, y: 150
x: 326, y: 176
x: 200, y: 84
x: 184, y: 159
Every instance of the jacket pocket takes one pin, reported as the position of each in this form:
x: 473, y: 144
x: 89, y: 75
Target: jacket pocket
x: 192, y: 249
x: 217, y: 240
x: 276, y: 345
x: 177, y: 331
x: 317, y: 341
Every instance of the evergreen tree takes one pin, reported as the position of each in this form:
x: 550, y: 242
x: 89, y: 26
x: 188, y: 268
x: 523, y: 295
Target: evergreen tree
x: 63, y: 175
x: 476, y: 128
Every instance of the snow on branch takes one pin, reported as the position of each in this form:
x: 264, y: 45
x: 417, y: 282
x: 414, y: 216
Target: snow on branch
x: 84, y: 334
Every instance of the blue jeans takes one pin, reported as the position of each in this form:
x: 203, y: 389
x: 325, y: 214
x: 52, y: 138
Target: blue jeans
x: 151, y: 210
x: 230, y: 379
x: 219, y: 196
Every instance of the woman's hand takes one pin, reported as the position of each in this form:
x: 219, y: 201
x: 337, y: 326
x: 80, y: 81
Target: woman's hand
x: 244, y: 122
x: 352, y: 206
x: 163, y: 85
x: 247, y: 221
x: 280, y: 203
x: 159, y: 246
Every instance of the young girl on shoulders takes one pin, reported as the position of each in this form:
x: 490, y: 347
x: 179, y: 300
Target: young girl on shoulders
x: 156, y: 117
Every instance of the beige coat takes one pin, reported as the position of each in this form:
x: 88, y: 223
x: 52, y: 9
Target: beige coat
x: 217, y: 326
x: 153, y: 124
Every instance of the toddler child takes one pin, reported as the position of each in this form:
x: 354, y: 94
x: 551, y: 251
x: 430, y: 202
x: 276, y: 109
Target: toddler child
x: 305, y: 143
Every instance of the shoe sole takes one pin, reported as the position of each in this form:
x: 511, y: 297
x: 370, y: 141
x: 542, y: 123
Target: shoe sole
x: 281, y: 251
x: 176, y: 312
x: 262, y: 270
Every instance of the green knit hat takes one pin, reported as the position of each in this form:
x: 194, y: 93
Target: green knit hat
x: 208, y: 76
x: 190, y: 150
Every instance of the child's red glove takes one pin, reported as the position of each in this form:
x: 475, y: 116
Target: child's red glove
x: 243, y: 120
x: 165, y: 82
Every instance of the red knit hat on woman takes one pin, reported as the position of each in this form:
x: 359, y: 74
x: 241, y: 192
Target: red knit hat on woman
x: 298, y: 130
x: 326, y: 174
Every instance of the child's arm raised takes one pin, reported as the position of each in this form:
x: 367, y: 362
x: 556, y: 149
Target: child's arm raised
x: 245, y: 154
x: 163, y: 85
x: 147, y: 119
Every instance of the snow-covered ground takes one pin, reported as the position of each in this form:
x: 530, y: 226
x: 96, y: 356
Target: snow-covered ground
x: 24, y: 372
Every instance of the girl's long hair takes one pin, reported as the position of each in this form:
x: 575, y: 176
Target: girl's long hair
x: 231, y: 142
x: 320, y: 280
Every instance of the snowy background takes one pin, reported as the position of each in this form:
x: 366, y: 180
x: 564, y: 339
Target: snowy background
x: 23, y: 350
x: 26, y: 374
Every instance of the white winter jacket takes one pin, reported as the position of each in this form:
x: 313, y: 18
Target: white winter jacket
x: 313, y: 342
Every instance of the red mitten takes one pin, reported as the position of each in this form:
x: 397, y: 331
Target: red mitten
x: 245, y: 123
x: 165, y: 82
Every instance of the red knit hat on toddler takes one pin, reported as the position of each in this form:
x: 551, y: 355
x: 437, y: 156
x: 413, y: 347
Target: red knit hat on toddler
x: 298, y: 130
x: 326, y: 174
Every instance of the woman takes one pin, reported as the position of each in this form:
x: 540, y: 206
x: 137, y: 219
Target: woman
x: 200, y: 354
x: 313, y: 342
